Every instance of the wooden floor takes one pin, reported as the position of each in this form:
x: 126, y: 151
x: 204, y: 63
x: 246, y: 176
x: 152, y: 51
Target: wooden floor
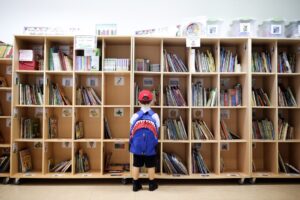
x: 106, y: 190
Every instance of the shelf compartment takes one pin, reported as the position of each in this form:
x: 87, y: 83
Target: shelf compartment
x: 264, y: 157
x: 268, y: 84
x: 5, y: 127
x: 291, y: 116
x: 290, y: 154
x: 294, y: 83
x: 259, y: 114
x: 291, y: 47
x: 6, y: 73
x: 5, y: 103
x: 5, y: 166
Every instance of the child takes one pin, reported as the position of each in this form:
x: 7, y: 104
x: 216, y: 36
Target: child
x: 144, y: 126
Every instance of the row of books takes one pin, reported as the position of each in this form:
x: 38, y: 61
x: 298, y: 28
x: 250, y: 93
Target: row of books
x: 198, y: 162
x: 203, y: 96
x: 82, y: 162
x: 88, y: 60
x: 173, y: 96
x: 145, y: 65
x: 56, y: 95
x: 155, y: 93
x: 30, y: 94
x: 231, y: 97
x: 30, y: 128
x: 173, y: 63
x: 87, y: 96
x: 261, y: 62
x: 286, y: 62
x: 202, y: 61
x: 229, y: 61
x: 285, y: 130
x: 286, y: 167
x: 79, y: 131
x: 200, y: 131
x: 4, y: 163
x: 116, y: 64
x: 63, y: 166
x: 60, y: 58
x: 260, y: 98
x: 173, y: 164
x: 263, y: 129
x: 226, y: 133
x: 175, y: 129
x: 6, y: 50
x: 286, y: 96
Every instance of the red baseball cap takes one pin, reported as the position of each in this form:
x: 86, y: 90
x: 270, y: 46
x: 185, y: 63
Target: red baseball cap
x: 145, y: 96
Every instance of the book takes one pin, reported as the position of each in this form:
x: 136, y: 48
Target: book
x: 286, y: 62
x: 142, y: 64
x: 30, y: 94
x: 88, y: 60
x: 57, y: 96
x: 30, y: 128
x: 286, y: 97
x: 63, y: 166
x: 107, y: 132
x: 231, y: 97
x: 87, y: 96
x: 204, y: 61
x: 82, y: 162
x: 175, y: 129
x: 6, y: 50
x: 173, y: 63
x: 261, y: 62
x: 155, y: 93
x: 200, y: 131
x: 60, y: 58
x: 116, y: 64
x: 174, y: 96
x: 173, y: 164
x: 198, y: 163
x: 229, y: 61
x: 263, y: 129
x: 285, y: 130
x: 226, y: 133
x: 4, y: 163
x: 53, y: 127
x: 25, y: 163
x: 203, y: 96
x: 260, y: 98
x: 79, y: 131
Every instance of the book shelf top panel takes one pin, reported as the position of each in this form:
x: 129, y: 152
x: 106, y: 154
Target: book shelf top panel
x: 117, y: 40
x: 30, y: 38
x: 174, y: 42
x: 146, y: 41
x: 61, y: 39
x: 5, y: 61
x: 262, y: 41
x: 233, y: 41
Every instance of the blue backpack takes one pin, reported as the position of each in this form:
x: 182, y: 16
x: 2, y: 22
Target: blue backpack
x: 143, y: 134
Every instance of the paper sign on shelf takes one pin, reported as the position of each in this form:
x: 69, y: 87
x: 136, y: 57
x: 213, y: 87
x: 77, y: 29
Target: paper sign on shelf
x: 148, y: 82
x: 91, y: 145
x: 67, y: 112
x: 224, y: 146
x: 174, y: 81
x: 67, y: 82
x: 9, y: 69
x: 92, y: 82
x: 192, y: 41
x: 66, y: 145
x: 118, y: 112
x: 119, y: 80
x: 8, y: 122
x: 8, y: 96
x: 38, y: 112
x: 85, y: 42
x: 198, y: 113
x: 173, y: 113
x: 94, y: 113
x: 225, y: 114
x: 119, y: 145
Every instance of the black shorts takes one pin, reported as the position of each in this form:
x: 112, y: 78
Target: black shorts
x: 141, y: 160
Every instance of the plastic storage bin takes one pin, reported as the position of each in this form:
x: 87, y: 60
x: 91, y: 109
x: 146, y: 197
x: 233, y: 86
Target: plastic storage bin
x: 243, y: 27
x: 293, y: 29
x: 272, y: 28
x: 214, y: 27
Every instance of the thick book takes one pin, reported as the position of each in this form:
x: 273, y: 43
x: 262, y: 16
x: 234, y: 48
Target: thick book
x: 25, y: 160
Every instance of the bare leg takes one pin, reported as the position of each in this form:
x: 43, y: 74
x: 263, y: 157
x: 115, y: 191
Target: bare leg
x: 136, y: 173
x: 151, y: 173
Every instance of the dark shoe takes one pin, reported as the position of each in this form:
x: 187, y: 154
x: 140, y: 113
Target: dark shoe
x: 152, y: 185
x: 136, y: 185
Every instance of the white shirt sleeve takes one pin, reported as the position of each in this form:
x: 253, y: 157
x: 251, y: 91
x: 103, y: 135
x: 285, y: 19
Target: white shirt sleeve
x: 134, y: 117
x: 156, y: 118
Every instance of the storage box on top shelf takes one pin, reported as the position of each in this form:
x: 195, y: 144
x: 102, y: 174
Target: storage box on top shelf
x: 214, y: 27
x: 293, y: 29
x: 243, y: 28
x: 272, y: 28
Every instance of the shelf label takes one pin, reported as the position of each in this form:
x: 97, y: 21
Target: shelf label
x: 8, y: 96
x: 118, y: 112
x: 198, y: 113
x: 14, y: 147
x: 225, y: 82
x: 148, y: 82
x: 290, y: 174
x: 46, y: 147
x: 85, y: 42
x: 205, y: 175
x: 119, y: 80
x: 225, y: 146
x: 245, y: 28
x: 225, y: 114
x: 67, y: 82
x: 57, y: 175
x: 234, y: 175
x: 40, y: 81
x: 173, y: 113
x: 119, y: 145
x: 37, y: 145
x: 212, y: 29
x: 192, y: 41
x: 66, y: 145
x: 8, y: 122
x: 174, y: 81
x: 86, y: 175
x: 66, y: 112
x: 199, y: 81
x: 27, y: 174
x: 94, y: 113
x: 91, y: 145
x: 92, y: 82
x: 38, y: 112
x: 176, y: 175
x: 15, y: 112
x: 276, y: 29
x: 264, y: 174
x: 9, y: 70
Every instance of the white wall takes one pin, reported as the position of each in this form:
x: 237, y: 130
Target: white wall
x: 132, y: 14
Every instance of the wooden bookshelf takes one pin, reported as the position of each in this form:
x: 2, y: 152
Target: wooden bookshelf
x: 116, y: 89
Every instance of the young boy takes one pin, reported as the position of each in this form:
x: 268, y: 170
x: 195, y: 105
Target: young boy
x: 144, y: 130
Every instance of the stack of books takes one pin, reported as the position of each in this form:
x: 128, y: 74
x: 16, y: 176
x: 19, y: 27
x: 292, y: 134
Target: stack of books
x: 56, y: 96
x: 285, y: 130
x: 173, y: 63
x: 4, y: 163
x: 175, y: 129
x: 116, y: 64
x: 231, y: 97
x: 30, y: 94
x: 286, y: 62
x: 155, y: 93
x: 25, y: 161
x: 82, y: 162
x: 204, y: 61
x: 30, y: 128
x: 87, y: 96
x: 107, y: 132
x: 226, y: 133
x: 201, y: 131
x: 203, y: 96
x: 79, y: 130
x: 263, y: 129
x: 286, y: 97
x: 145, y: 65
x: 62, y: 167
x: 88, y: 60
x: 53, y: 128
x: 286, y: 167
x: 6, y: 50
x: 261, y: 62
x: 172, y: 164
x: 173, y: 96
x: 229, y: 61
x: 60, y: 58
x: 260, y: 98
x: 198, y: 162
